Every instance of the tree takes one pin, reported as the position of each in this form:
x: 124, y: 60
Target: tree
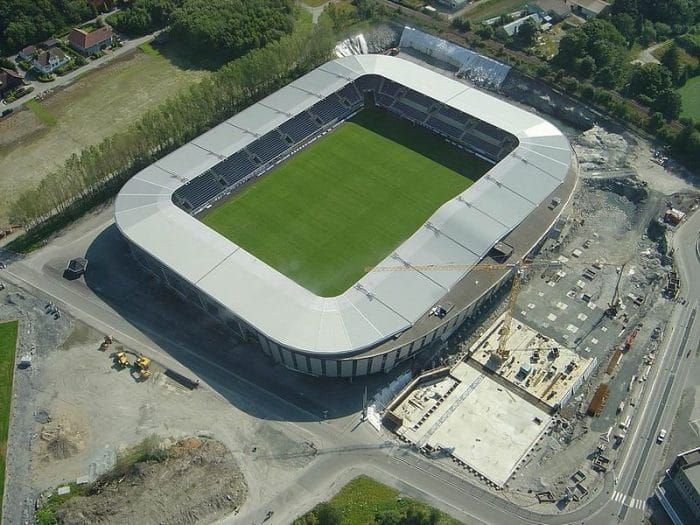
x: 526, y: 35
x: 672, y: 59
x: 227, y: 29
x: 668, y: 103
x: 649, y: 80
x: 656, y: 121
x: 327, y: 514
x: 626, y: 25
x: 585, y: 66
x: 485, y: 31
x: 462, y: 23
x: 390, y: 517
x: 648, y: 33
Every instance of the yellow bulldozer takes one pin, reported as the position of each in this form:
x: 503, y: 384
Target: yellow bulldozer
x: 121, y: 360
x: 141, y: 365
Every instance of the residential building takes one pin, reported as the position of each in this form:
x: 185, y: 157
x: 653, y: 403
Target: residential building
x: 27, y: 53
x: 556, y: 9
x: 9, y: 81
x: 49, y: 61
x: 49, y: 43
x: 90, y: 42
x: 512, y: 27
x: 454, y: 4
x: 679, y: 491
x: 589, y: 8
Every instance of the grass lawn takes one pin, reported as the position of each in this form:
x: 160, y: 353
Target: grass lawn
x: 690, y: 93
x: 484, y: 9
x: 103, y: 102
x: 347, y: 201
x: 40, y: 112
x: 8, y: 339
x: 363, y: 498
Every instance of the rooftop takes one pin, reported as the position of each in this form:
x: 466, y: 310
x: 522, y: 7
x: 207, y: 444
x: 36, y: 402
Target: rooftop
x: 87, y: 39
x: 595, y: 6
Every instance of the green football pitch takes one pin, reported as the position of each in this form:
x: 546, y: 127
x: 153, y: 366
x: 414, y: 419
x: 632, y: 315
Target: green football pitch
x: 346, y: 201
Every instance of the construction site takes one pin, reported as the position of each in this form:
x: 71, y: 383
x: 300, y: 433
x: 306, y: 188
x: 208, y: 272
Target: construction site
x: 552, y: 377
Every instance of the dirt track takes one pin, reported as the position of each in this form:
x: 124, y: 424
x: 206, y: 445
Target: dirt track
x: 198, y: 483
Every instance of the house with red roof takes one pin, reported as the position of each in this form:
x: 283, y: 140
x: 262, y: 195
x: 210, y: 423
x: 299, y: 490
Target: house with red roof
x: 90, y: 42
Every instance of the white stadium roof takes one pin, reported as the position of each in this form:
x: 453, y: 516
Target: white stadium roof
x: 382, y: 304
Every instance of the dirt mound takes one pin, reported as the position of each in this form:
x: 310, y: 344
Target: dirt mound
x: 199, y: 482
x: 62, y: 447
x: 62, y: 439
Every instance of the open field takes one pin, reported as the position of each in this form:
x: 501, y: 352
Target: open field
x: 690, y: 93
x: 8, y: 338
x: 347, y: 200
x: 363, y: 498
x: 103, y: 102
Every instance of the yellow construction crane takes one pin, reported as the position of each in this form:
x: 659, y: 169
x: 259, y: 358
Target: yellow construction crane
x: 502, y: 351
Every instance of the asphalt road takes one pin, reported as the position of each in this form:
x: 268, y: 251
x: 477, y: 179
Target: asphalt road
x: 347, y: 448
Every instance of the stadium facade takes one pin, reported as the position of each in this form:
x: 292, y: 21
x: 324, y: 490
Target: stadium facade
x: 387, y: 316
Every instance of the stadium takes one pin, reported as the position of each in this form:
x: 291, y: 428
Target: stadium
x: 354, y: 217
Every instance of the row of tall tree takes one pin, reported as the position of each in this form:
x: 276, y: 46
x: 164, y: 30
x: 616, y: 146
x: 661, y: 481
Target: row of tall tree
x: 85, y: 178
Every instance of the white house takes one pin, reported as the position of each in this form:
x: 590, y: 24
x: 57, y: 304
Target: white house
x: 49, y: 61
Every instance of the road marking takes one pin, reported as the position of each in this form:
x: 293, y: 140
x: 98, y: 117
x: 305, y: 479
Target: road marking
x: 628, y: 501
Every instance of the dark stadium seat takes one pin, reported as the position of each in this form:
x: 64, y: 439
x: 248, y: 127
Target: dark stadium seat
x: 444, y: 128
x: 490, y: 130
x: 419, y: 99
x: 368, y: 83
x: 390, y: 88
x: 200, y: 190
x: 454, y: 114
x: 409, y: 111
x: 268, y: 147
x: 234, y: 168
x: 383, y: 100
x: 484, y: 147
x: 350, y: 94
x: 329, y: 109
x: 300, y: 127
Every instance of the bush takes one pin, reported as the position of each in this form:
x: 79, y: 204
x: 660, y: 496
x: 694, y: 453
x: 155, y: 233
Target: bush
x: 462, y: 24
x: 588, y: 92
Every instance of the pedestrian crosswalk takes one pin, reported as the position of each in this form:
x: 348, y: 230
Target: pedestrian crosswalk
x: 629, y: 501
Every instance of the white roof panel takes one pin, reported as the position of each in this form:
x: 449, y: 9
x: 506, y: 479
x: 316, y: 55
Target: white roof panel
x: 290, y: 100
x: 224, y: 140
x: 187, y: 162
x: 258, y: 119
